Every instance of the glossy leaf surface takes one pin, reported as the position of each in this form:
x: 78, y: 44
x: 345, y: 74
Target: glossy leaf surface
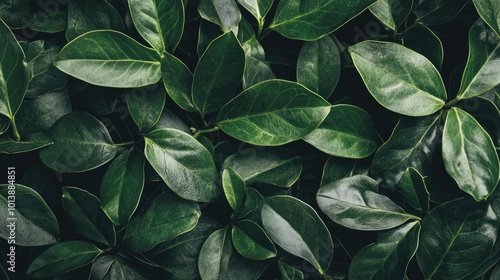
x: 415, y: 193
x: 258, y: 8
x: 251, y: 241
x: 430, y: 12
x: 392, y: 13
x: 146, y: 105
x: 177, y: 79
x: 422, y: 40
x: 234, y: 188
x: 489, y: 10
x: 32, y: 142
x: 224, y: 13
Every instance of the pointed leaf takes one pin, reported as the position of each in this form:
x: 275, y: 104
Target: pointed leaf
x: 251, y: 241
x: 116, y: 267
x: 432, y: 12
x: 146, y: 105
x: 400, y: 79
x: 31, y: 142
x: 122, y: 61
x: 339, y: 168
x: 177, y: 80
x: 273, y: 113
x: 412, y: 185
x: 489, y: 10
x: 258, y: 8
x: 392, y: 13
x: 234, y: 188
x: 253, y: 201
x: 289, y: 272
x: 224, y: 13
x: 422, y: 40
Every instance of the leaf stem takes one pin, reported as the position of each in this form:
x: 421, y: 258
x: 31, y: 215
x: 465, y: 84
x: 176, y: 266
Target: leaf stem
x: 124, y: 144
x: 17, y: 136
x: 197, y: 132
x: 451, y: 103
x: 261, y: 27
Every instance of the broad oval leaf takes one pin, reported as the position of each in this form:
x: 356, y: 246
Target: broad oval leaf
x: 469, y: 155
x: 354, y: 203
x: 273, y: 113
x: 31, y: 142
x: 185, y: 165
x: 160, y: 22
x: 86, y: 215
x: 422, y: 40
x: 432, y: 12
x: 251, y: 241
x: 456, y: 237
x: 122, y: 185
x: 224, y: 13
x: 116, y: 267
x: 297, y: 228
x: 318, y: 66
x: 400, y: 79
x: 338, y: 168
x: 177, y: 80
x: 392, y: 13
x: 258, y: 8
x: 28, y: 215
x: 146, y: 105
x: 81, y: 143
x: 218, y: 73
x: 348, y: 131
x: 489, y: 10
x: 234, y: 188
x: 311, y: 20
x: 389, y: 256
x: 414, y: 190
x: 481, y: 72
x: 166, y: 217
x: 63, y: 257
x: 122, y: 61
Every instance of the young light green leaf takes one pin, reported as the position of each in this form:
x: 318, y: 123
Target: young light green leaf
x: 469, y: 155
x: 167, y: 217
x: 177, y: 80
x: 348, y: 131
x: 122, y: 186
x: 297, y: 228
x: 224, y: 13
x: 234, y: 188
x: 389, y: 256
x: 258, y: 8
x: 183, y: 163
x: 251, y: 241
x: 338, y: 168
x: 272, y: 113
x: 392, y: 13
x: 289, y: 272
x: 253, y: 201
x: 412, y: 185
x: 218, y: 73
x: 432, y: 12
x: 86, y: 215
x: 354, y: 203
x: 489, y: 10
x: 31, y: 142
x: 400, y: 79
x: 456, y: 237
x: 422, y: 40
x: 81, y: 143
x: 160, y: 22
x: 35, y: 224
x: 63, y: 257
x: 481, y: 72
x: 318, y: 66
x: 146, y: 105
x: 122, y: 61
x: 274, y: 166
x: 311, y: 20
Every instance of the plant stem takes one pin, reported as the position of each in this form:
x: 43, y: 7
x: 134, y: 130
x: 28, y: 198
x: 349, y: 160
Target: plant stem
x: 261, y: 27
x: 451, y: 103
x: 17, y: 136
x: 197, y: 132
x: 124, y: 144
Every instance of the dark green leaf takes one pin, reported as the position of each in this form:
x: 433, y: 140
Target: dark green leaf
x: 489, y: 10
x: 31, y: 142
x: 87, y: 217
x: 166, y: 217
x: 422, y: 40
x: 400, y: 79
x: 456, y: 237
x: 183, y: 163
x: 224, y: 13
x: 15, y: 13
x: 63, y: 257
x: 207, y: 32
x: 253, y: 201
x: 318, y: 66
x: 251, y: 241
x: 44, y: 181
x: 109, y: 267
x: 160, y: 22
x: 273, y: 113
x: 435, y: 12
x: 49, y: 22
x: 348, y: 131
x: 297, y: 228
x: 218, y: 73
x: 389, y: 256
x: 146, y: 105
x: 101, y: 101
x: 122, y: 186
x: 234, y: 188
x: 177, y: 80
x: 169, y: 120
x: 412, y: 185
x: 274, y: 166
x: 122, y: 61
x: 258, y: 8
x: 81, y: 143
x: 354, y: 203
x: 339, y: 168
x: 469, y: 154
x: 34, y: 222
x: 311, y: 20
x: 288, y: 272
x: 392, y: 13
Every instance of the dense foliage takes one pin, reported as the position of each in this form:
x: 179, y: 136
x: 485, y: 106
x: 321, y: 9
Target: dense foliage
x: 250, y: 139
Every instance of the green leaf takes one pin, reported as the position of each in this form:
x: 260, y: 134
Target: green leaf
x: 392, y: 13
x: 400, y: 79
x: 481, y: 72
x: 348, y: 131
x: 183, y: 163
x: 116, y: 267
x: 272, y: 113
x: 169, y: 120
x: 456, y: 237
x: 415, y: 193
x: 218, y: 73
x: 81, y: 143
x: 389, y: 256
x: 160, y: 22
x: 35, y: 224
x: 339, y: 168
x: 234, y: 188
x: 274, y: 166
x: 177, y: 80
x: 258, y: 8
x: 469, y: 155
x: 253, y: 201
x: 412, y: 144
x: 146, y: 105
x: 48, y: 21
x: 86, y: 215
x: 311, y: 20
x: 122, y: 186
x: 422, y: 40
x: 251, y: 241
x: 122, y: 61
x: 318, y: 66
x: 289, y: 272
x: 207, y: 32
x: 63, y: 257
x: 224, y: 13
x: 32, y: 142
x: 353, y: 202
x: 489, y: 10
x: 166, y: 217
x: 15, y: 13
x: 297, y: 228
x: 432, y: 12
